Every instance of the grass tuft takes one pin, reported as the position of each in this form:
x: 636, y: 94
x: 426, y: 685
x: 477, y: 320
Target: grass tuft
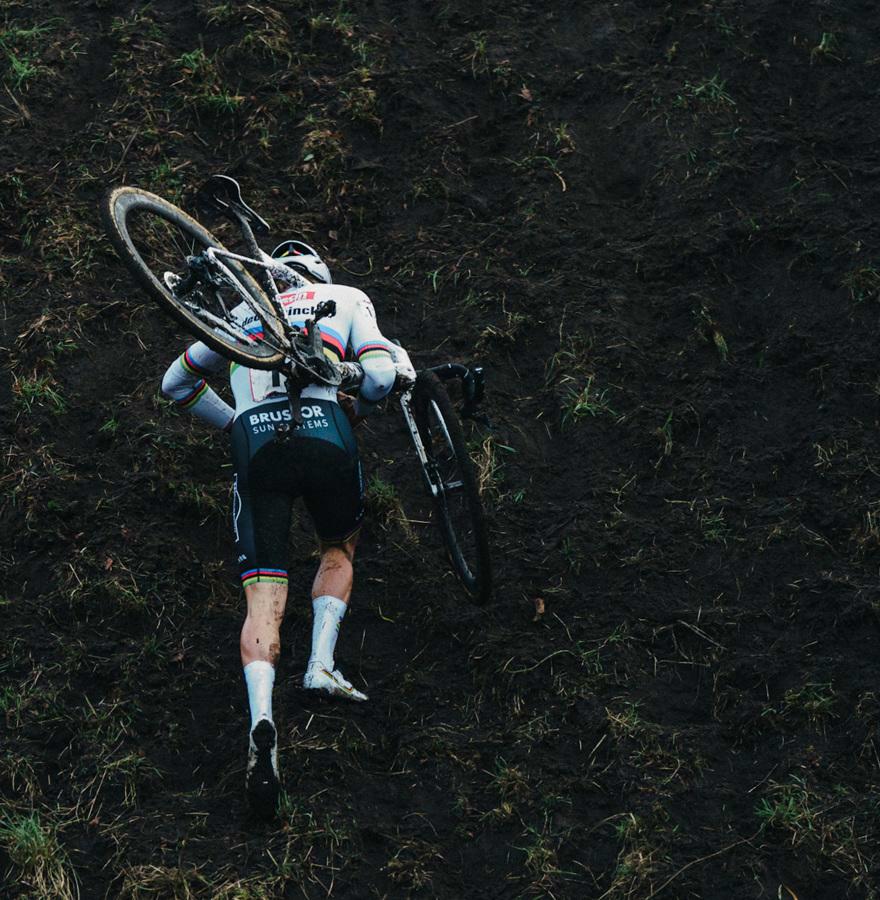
x: 710, y: 93
x: 202, y: 83
x: 863, y: 283
x: 35, y: 850
x: 587, y: 401
x: 22, y: 47
x: 37, y: 390
x: 383, y: 501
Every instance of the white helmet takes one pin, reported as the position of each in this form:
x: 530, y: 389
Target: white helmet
x: 303, y: 258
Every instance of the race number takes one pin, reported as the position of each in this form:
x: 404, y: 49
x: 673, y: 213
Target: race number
x: 265, y: 384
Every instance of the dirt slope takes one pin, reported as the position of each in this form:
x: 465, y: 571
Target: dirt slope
x: 655, y: 225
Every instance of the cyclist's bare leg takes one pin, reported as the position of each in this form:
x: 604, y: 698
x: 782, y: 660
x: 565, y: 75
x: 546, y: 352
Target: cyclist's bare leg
x: 260, y: 646
x: 260, y: 634
x: 331, y: 592
x: 336, y: 572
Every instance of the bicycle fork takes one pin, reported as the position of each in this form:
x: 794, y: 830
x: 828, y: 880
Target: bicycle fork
x: 429, y: 469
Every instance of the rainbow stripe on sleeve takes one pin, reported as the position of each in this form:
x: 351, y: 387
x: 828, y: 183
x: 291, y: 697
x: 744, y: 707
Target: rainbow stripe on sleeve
x: 333, y: 343
x: 192, y: 398
x: 372, y: 350
x: 190, y: 365
x: 254, y: 576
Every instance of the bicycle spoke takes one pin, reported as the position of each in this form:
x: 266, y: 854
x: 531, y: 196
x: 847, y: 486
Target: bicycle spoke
x: 270, y: 336
x: 164, y: 246
x: 175, y: 239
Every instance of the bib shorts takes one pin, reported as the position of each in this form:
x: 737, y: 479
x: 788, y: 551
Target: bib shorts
x: 318, y: 461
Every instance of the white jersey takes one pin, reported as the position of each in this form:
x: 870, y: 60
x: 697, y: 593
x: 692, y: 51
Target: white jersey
x: 351, y: 332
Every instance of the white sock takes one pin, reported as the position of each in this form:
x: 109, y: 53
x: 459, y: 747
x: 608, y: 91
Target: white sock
x: 328, y: 612
x: 259, y: 677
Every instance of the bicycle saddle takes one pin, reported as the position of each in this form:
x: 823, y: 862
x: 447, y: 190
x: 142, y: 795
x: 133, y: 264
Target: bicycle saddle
x: 221, y: 194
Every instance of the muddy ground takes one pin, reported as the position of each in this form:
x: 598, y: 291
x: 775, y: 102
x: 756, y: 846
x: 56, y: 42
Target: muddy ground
x: 655, y: 225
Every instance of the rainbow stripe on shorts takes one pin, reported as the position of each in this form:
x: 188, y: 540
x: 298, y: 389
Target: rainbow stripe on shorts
x: 255, y: 576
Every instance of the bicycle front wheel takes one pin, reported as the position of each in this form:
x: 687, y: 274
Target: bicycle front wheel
x: 153, y: 239
x: 453, y: 480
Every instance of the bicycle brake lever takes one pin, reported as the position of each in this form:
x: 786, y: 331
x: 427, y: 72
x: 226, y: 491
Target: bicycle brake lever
x: 324, y: 309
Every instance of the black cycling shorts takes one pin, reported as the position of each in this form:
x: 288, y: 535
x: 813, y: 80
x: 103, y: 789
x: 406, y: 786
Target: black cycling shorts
x: 318, y: 462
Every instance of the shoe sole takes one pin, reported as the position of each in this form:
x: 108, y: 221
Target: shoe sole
x: 262, y: 782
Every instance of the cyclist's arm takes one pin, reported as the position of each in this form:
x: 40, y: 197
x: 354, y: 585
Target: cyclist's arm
x: 185, y: 384
x: 373, y: 351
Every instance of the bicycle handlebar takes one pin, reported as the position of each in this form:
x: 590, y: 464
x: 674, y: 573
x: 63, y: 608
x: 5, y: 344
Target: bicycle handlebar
x: 353, y: 375
x: 472, y: 382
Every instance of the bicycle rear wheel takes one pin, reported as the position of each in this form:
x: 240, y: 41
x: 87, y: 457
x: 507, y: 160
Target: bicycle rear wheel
x: 451, y: 474
x: 153, y: 239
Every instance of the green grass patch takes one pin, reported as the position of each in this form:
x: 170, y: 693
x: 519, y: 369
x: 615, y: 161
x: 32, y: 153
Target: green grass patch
x: 383, y: 502
x: 35, y: 851
x: 22, y: 48
x: 37, y: 390
x: 585, y: 402
x: 202, y: 83
x: 710, y: 94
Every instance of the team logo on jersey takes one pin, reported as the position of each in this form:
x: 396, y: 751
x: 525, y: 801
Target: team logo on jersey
x: 313, y: 417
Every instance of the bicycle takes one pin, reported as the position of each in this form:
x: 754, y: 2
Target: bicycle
x: 231, y: 302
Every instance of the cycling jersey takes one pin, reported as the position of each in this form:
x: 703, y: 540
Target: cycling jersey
x: 350, y: 331
x: 318, y: 460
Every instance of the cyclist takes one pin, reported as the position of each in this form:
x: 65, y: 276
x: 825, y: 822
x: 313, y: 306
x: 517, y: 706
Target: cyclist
x: 318, y: 461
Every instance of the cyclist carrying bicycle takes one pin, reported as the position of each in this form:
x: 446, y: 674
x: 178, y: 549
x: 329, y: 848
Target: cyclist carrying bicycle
x: 317, y: 460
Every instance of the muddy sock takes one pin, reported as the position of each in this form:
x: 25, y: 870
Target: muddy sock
x: 328, y: 613
x: 259, y: 677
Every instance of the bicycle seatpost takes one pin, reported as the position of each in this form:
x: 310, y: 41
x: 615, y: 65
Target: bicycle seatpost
x: 253, y: 247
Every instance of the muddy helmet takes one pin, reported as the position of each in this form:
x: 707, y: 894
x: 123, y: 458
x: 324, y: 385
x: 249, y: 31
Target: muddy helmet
x: 304, y: 259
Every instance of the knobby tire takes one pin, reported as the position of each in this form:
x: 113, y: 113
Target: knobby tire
x: 120, y: 207
x: 460, y: 510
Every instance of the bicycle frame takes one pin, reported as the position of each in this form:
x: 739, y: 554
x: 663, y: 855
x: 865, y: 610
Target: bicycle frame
x: 410, y: 419
x: 216, y: 256
x: 472, y: 378
x: 472, y: 381
x: 294, y: 366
